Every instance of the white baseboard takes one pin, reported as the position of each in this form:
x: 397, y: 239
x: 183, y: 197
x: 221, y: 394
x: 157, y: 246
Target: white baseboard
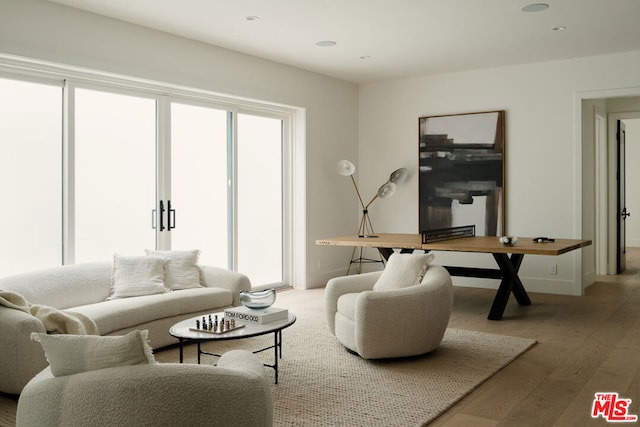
x: 531, y: 284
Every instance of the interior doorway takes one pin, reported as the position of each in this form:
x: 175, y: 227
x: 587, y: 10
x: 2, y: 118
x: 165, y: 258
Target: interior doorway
x: 597, y: 204
x: 632, y: 127
x: 622, y: 198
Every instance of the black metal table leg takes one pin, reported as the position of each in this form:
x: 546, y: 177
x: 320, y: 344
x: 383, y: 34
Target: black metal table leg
x: 275, y: 346
x: 386, y: 253
x: 510, y: 283
x: 181, y: 349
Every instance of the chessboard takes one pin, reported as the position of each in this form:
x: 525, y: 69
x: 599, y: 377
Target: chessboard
x: 217, y: 331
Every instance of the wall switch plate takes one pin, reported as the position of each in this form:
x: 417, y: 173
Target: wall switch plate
x: 553, y: 269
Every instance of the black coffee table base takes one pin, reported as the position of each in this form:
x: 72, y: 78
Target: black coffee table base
x: 277, y: 349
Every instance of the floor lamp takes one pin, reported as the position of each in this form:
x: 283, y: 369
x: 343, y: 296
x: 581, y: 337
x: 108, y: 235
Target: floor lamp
x: 365, y: 230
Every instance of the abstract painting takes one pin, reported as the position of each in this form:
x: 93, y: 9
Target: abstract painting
x: 462, y: 172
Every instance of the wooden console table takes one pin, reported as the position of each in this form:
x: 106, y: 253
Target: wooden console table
x: 508, y: 258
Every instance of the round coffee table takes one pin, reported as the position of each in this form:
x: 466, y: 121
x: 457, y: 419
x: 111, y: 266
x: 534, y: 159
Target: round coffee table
x: 184, y: 332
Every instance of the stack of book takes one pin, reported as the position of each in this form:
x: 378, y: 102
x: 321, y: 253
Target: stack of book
x: 264, y: 315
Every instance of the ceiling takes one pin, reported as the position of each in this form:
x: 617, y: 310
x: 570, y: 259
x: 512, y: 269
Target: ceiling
x: 390, y: 39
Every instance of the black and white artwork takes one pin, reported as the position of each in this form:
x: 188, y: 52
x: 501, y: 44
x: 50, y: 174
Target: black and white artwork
x: 462, y: 172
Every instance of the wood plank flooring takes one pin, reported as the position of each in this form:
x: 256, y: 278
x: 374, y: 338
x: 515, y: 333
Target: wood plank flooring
x: 585, y: 345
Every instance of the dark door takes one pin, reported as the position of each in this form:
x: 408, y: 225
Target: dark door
x: 622, y: 207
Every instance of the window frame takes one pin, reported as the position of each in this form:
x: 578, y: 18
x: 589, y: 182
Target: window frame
x: 294, y: 140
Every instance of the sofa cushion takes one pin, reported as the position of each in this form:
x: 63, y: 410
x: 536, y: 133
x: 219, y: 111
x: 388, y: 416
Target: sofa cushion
x: 117, y: 314
x: 72, y: 354
x: 137, y: 275
x: 181, y: 269
x: 403, y: 270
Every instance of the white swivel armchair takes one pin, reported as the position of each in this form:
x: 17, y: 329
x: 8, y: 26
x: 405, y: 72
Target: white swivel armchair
x: 392, y: 322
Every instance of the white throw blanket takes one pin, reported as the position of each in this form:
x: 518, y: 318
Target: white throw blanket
x: 54, y: 320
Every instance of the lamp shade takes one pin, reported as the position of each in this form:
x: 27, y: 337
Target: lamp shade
x: 346, y: 168
x: 399, y: 175
x: 386, y: 190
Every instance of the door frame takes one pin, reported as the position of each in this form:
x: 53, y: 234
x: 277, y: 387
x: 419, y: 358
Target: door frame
x: 602, y: 191
x: 584, y: 266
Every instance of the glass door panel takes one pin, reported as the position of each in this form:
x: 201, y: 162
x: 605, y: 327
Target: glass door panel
x: 115, y: 174
x: 31, y: 176
x: 199, y: 182
x: 260, y: 203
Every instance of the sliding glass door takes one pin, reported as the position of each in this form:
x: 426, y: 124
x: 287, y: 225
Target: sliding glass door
x: 199, y: 184
x: 114, y: 177
x: 30, y: 175
x: 260, y: 201
x: 88, y: 171
x: 228, y: 192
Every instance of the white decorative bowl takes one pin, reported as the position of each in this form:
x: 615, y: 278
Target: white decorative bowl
x: 258, y: 299
x: 508, y: 240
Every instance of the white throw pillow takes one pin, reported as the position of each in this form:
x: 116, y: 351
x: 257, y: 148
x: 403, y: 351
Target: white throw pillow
x: 72, y: 354
x: 133, y: 276
x: 403, y: 270
x: 182, y: 271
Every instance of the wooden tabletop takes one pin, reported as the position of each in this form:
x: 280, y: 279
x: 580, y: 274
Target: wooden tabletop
x: 485, y: 244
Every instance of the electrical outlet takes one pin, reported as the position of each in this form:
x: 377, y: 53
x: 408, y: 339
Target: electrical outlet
x: 553, y: 269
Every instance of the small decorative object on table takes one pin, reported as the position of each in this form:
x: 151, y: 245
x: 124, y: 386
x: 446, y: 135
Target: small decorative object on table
x: 508, y: 240
x: 258, y: 300
x: 215, y: 325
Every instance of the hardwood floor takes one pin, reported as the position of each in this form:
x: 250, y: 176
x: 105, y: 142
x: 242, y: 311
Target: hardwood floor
x: 585, y: 345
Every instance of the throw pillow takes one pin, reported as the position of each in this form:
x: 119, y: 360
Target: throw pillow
x: 133, y: 276
x: 182, y: 271
x: 72, y: 354
x: 403, y: 270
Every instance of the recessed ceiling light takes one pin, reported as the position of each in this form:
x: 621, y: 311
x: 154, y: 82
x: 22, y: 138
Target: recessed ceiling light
x: 252, y: 18
x: 560, y: 28
x: 326, y: 43
x: 365, y: 57
x: 535, y: 7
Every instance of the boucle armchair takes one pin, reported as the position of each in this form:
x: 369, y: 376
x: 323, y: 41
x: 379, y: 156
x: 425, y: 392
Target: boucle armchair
x: 389, y: 323
x: 236, y: 392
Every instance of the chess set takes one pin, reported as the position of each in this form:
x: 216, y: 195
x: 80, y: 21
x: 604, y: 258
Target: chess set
x: 213, y: 325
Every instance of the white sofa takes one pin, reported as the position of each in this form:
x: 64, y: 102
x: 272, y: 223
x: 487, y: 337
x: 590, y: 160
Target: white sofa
x: 84, y: 289
x: 237, y: 392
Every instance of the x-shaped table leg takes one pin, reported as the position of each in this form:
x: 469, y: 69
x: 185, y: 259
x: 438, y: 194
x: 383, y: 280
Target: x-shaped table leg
x: 509, y: 266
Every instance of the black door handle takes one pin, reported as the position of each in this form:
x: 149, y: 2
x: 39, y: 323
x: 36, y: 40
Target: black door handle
x: 171, y: 213
x: 161, y: 215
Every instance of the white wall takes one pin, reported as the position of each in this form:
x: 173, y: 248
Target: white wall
x: 544, y: 168
x: 46, y: 31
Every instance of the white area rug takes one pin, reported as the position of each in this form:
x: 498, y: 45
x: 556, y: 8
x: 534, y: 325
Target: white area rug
x: 321, y: 384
